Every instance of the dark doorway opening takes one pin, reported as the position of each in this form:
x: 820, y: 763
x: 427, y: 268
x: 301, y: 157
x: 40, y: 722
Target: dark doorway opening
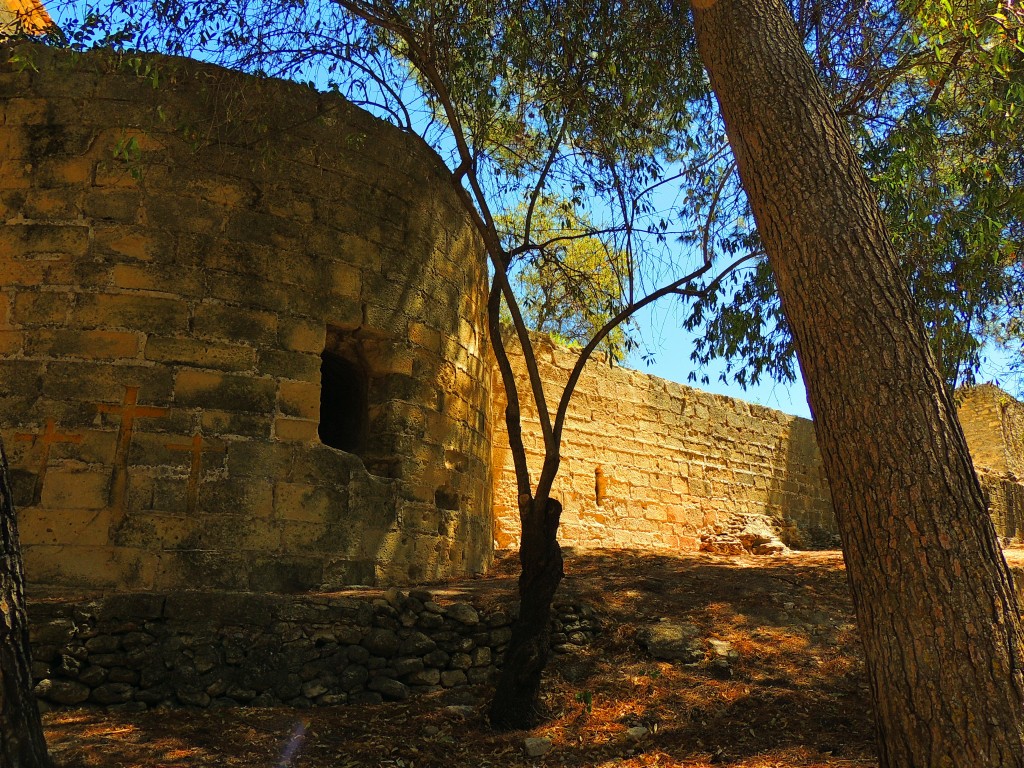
x: 344, y: 409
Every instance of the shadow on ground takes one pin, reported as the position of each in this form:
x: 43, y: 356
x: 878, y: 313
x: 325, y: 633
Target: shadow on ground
x: 792, y: 693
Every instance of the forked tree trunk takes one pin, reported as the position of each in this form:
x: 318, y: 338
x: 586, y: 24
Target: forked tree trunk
x: 516, y: 702
x: 934, y: 600
x: 21, y: 730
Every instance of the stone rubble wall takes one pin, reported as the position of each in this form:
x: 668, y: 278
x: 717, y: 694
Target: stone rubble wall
x: 653, y: 464
x: 204, y: 649
x: 178, y: 246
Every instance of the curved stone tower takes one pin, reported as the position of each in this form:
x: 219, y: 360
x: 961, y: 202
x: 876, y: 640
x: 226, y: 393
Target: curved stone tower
x: 240, y: 334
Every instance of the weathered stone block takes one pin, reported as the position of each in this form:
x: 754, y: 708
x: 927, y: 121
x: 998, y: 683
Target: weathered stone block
x: 42, y: 308
x: 136, y: 312
x: 11, y: 342
x: 180, y: 213
x: 66, y: 240
x: 92, y: 567
x: 120, y: 205
x: 381, y: 642
x: 300, y: 399
x: 236, y: 424
x: 392, y: 690
x: 103, y: 345
x: 259, y: 459
x: 345, y: 279
x: 254, y: 293
x: 136, y: 244
x: 417, y: 644
x: 158, y: 531
x: 296, y: 430
x: 185, y: 281
x: 289, y: 365
x: 20, y: 377
x: 56, y: 172
x: 306, y: 503
x: 464, y: 613
x: 235, y: 324
x: 69, y: 489
x: 450, y: 678
x: 298, y: 334
x: 80, y: 527
x: 229, y: 392
x: 68, y: 692
x: 200, y: 354
x: 250, y: 497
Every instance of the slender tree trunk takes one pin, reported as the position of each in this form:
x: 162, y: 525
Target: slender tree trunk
x: 21, y: 731
x: 934, y: 600
x: 516, y: 702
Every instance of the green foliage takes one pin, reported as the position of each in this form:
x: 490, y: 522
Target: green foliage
x: 570, y: 284
x: 23, y: 61
x: 938, y: 124
x: 127, y: 150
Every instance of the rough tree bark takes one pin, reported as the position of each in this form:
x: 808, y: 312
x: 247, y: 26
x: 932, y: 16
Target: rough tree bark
x: 21, y: 730
x: 934, y: 600
x: 516, y: 703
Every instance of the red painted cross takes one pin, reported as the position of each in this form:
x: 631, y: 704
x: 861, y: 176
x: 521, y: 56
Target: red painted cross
x: 195, y: 469
x: 48, y: 438
x: 129, y: 411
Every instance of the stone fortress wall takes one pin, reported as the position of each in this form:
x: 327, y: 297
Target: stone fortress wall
x: 654, y: 464
x: 188, y: 257
x: 242, y: 347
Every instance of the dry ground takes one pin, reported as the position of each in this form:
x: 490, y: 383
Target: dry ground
x: 797, y: 695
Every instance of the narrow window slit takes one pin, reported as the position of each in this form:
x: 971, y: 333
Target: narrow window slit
x: 344, y: 409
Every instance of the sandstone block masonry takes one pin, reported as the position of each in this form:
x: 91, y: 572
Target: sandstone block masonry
x: 993, y: 424
x: 653, y: 464
x: 240, y: 337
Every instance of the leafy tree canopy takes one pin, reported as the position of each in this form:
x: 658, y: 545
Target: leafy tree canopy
x: 933, y: 93
x: 572, y: 284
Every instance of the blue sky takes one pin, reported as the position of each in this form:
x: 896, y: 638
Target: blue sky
x: 660, y: 332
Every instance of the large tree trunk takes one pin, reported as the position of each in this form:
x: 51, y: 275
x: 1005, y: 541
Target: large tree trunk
x: 934, y: 600
x: 516, y: 702
x: 21, y: 731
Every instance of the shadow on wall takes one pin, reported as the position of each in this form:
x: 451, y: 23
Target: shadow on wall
x: 799, y: 498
